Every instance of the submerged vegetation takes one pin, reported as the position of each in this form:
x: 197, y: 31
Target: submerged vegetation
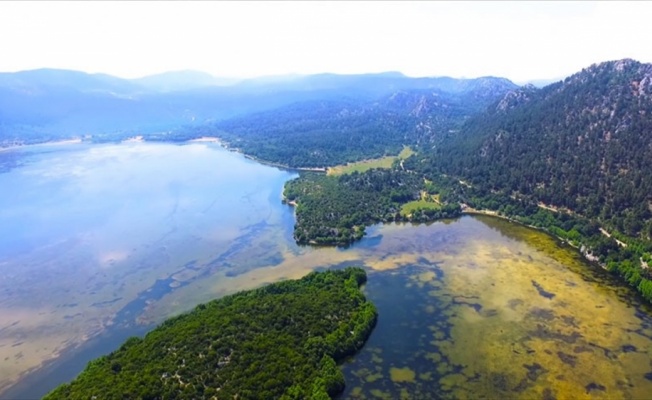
x: 280, y: 341
x: 489, y: 309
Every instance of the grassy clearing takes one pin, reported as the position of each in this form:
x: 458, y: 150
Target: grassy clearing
x: 409, y: 208
x: 406, y: 152
x: 362, y: 166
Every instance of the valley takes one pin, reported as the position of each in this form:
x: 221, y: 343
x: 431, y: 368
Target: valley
x: 380, y: 170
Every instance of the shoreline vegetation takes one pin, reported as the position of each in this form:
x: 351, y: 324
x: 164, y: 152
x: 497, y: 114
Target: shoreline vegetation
x: 283, y: 340
x: 336, y: 209
x: 278, y: 165
x: 491, y: 213
x: 623, y: 256
x: 225, y: 145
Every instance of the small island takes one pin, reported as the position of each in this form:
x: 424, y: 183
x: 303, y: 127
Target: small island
x: 283, y: 340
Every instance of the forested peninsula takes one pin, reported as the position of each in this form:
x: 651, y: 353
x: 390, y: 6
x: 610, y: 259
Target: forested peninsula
x: 334, y: 210
x: 281, y: 341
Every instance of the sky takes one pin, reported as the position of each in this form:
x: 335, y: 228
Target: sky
x: 521, y: 41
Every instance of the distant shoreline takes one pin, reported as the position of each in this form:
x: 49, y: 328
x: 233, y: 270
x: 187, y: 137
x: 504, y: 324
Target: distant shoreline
x: 278, y: 165
x: 258, y: 160
x: 206, y: 139
x: 54, y: 142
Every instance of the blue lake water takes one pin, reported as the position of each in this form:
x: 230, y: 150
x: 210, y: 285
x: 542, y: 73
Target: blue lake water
x: 101, y: 242
x: 90, y: 234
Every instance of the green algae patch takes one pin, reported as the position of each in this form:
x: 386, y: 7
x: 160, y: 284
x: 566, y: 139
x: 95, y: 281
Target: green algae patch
x: 401, y: 374
x: 427, y: 276
x: 452, y: 380
x: 373, y: 377
x: 405, y: 394
x: 376, y: 359
x: 381, y: 394
x: 426, y: 376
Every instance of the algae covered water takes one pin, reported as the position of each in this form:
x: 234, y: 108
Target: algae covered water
x: 489, y: 309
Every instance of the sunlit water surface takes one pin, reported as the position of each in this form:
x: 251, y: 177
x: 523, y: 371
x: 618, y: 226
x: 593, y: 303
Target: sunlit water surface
x: 100, y: 242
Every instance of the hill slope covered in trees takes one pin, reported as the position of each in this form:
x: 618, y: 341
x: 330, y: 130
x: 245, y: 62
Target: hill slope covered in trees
x: 584, y: 144
x: 347, y: 129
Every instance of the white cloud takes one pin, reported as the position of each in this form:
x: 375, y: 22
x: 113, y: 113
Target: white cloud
x: 518, y: 40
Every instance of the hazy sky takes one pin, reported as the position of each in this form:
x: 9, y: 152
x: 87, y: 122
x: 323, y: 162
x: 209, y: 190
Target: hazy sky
x: 516, y: 40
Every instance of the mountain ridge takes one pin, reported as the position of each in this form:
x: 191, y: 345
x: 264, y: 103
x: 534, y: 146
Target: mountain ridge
x: 592, y: 125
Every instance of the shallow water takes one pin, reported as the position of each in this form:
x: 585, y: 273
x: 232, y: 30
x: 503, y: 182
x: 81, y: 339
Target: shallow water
x: 489, y: 309
x: 98, y: 243
x: 90, y: 235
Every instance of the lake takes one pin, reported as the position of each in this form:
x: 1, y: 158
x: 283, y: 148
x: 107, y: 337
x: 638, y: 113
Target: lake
x: 101, y: 242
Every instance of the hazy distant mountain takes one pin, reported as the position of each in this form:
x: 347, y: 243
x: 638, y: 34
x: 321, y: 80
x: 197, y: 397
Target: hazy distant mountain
x: 47, y: 81
x: 181, y: 80
x: 542, y: 82
x: 47, y: 104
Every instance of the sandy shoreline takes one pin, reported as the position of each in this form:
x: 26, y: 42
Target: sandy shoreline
x: 135, y: 139
x: 206, y: 139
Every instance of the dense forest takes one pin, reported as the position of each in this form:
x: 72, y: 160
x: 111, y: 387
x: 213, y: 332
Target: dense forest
x: 281, y: 341
x: 582, y: 144
x: 335, y: 210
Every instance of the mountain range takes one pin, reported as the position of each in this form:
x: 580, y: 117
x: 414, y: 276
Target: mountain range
x: 49, y: 104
